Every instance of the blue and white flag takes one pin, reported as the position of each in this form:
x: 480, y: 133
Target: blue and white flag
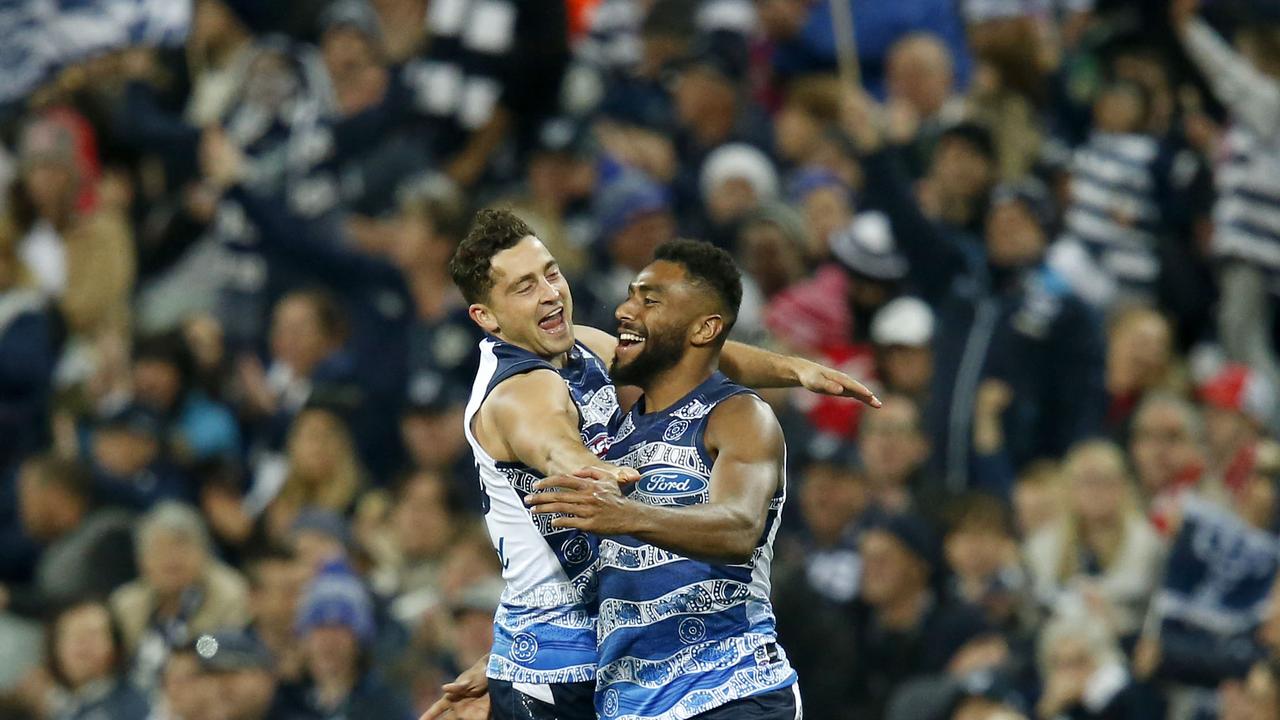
x: 38, y: 37
x: 1220, y: 572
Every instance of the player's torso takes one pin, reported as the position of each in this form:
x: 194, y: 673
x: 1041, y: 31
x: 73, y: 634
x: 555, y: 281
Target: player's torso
x: 679, y: 636
x: 544, y: 629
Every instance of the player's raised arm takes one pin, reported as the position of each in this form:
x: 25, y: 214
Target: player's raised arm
x: 755, y: 367
x: 531, y: 418
x: 748, y: 443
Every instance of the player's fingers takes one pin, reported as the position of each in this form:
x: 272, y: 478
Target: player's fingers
x: 628, y: 475
x: 438, y: 709
x: 561, y: 481
x: 569, y: 522
x: 853, y: 388
x: 594, y: 473
x: 562, y: 508
x: 547, y: 498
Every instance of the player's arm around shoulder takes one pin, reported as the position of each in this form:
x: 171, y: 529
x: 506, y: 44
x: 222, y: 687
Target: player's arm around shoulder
x: 597, y: 341
x: 531, y: 418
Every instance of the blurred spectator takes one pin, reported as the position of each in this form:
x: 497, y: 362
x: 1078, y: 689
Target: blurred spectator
x: 902, y: 630
x: 833, y: 497
x: 810, y: 112
x: 1021, y: 325
x: 197, y: 427
x: 323, y: 472
x: 1166, y: 446
x: 826, y: 201
x: 954, y: 189
x: 772, y: 248
x: 902, y: 332
x: 982, y: 553
x: 185, y: 691
x: 1037, y: 497
x: 425, y: 521
x: 276, y: 580
x: 1246, y: 79
x: 240, y: 669
x: 920, y: 96
x: 86, y: 661
x: 220, y: 48
x: 182, y: 591
x: 319, y: 537
x: 351, y: 47
x: 29, y: 345
x: 336, y: 627
x: 1084, y: 675
x: 1257, y: 697
x: 1102, y: 549
x: 130, y: 461
x: 1239, y: 403
x: 84, y: 550
x: 736, y: 180
x: 893, y: 449
x: 1140, y: 358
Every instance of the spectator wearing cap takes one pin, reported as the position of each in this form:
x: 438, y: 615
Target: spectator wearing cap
x: 826, y: 201
x: 129, y: 458
x: 73, y: 241
x: 163, y: 380
x: 242, y: 672
x: 1084, y: 675
x: 84, y: 550
x: 183, y: 590
x: 902, y: 333
x: 87, y: 662
x: 997, y: 304
x: 737, y: 179
x: 903, y: 630
x: 185, y: 689
x: 336, y: 627
x: 634, y: 216
x: 29, y: 344
x: 1102, y: 549
x: 1239, y: 405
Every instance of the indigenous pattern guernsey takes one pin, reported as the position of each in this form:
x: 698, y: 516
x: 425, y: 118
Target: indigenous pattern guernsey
x: 544, y: 629
x: 678, y: 636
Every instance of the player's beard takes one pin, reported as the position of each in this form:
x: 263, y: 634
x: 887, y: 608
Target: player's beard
x: 662, y: 350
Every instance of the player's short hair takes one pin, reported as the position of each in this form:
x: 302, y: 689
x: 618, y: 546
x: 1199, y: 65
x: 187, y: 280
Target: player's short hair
x: 710, y: 267
x: 492, y: 231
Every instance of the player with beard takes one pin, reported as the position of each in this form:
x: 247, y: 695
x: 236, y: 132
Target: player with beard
x: 685, y: 627
x: 543, y: 404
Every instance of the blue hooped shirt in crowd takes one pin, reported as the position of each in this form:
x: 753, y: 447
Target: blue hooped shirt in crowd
x: 544, y: 629
x: 677, y: 636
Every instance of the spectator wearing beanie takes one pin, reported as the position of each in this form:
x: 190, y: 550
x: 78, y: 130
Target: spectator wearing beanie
x: 337, y: 629
x: 736, y: 180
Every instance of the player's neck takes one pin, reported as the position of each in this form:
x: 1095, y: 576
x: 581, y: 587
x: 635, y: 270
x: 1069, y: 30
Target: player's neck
x: 557, y: 361
x: 669, y: 386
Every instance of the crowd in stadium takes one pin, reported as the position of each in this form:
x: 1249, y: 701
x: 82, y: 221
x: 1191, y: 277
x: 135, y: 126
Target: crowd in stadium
x: 234, y: 482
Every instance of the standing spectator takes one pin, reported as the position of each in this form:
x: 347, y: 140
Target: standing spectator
x: 182, y: 591
x: 1247, y: 80
x: 1102, y: 549
x: 960, y: 175
x: 920, y: 96
x: 87, y: 661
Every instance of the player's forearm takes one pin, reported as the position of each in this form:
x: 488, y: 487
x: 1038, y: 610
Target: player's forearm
x: 753, y: 367
x: 718, y: 533
x: 562, y: 456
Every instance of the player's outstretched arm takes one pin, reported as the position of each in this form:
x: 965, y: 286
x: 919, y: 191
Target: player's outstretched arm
x: 747, y: 441
x: 754, y: 367
x: 533, y: 419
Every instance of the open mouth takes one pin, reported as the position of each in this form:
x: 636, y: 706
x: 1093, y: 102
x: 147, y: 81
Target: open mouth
x: 553, y: 322
x: 629, y: 342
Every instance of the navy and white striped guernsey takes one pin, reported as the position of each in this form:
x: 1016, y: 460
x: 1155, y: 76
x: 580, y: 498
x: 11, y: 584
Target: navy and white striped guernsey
x: 679, y: 637
x: 1247, y: 213
x: 544, y: 630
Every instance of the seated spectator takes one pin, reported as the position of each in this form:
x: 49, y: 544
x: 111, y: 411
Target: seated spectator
x: 197, y: 427
x: 810, y: 110
x: 825, y: 199
x: 85, y: 550
x: 319, y: 537
x: 1166, y: 446
x: 29, y: 344
x: 185, y: 691
x: 1139, y: 359
x: 1102, y: 548
x: 1037, y: 498
x: 1239, y: 403
x: 893, y: 449
x: 771, y: 244
x: 323, y: 471
x: 182, y: 591
x: 902, y: 333
x: 433, y: 438
x: 336, y: 627
x: 87, y: 662
x: 276, y: 580
x: 902, y: 630
x: 1083, y: 673
x: 130, y: 461
x: 241, y: 671
x: 982, y: 553
x: 737, y: 179
x: 423, y: 524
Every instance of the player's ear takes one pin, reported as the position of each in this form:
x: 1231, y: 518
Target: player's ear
x: 484, y: 317
x: 707, y: 330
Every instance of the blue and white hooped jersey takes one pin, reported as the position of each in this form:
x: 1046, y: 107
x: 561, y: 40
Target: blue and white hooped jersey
x: 677, y: 636
x: 544, y: 629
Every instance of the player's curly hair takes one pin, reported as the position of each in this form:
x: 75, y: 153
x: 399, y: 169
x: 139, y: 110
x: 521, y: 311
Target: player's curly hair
x: 492, y: 231
x: 710, y: 267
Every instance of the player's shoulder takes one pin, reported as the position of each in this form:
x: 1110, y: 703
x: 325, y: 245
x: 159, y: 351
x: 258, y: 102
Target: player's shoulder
x: 744, y: 421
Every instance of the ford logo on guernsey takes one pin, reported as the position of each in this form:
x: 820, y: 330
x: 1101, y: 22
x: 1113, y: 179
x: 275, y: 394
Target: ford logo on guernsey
x: 673, y: 484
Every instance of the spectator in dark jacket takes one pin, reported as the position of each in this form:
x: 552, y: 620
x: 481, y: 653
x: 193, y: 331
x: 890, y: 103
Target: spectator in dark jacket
x: 1001, y: 315
x: 28, y: 351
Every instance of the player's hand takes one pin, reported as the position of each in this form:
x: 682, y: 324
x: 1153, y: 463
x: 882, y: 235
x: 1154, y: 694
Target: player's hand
x: 590, y: 499
x: 222, y: 162
x: 826, y: 381
x: 465, y: 696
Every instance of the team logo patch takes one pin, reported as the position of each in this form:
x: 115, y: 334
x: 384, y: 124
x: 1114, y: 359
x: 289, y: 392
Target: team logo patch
x: 611, y: 702
x: 675, y: 430
x: 672, y: 484
x: 577, y: 550
x: 691, y: 630
x: 524, y: 647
